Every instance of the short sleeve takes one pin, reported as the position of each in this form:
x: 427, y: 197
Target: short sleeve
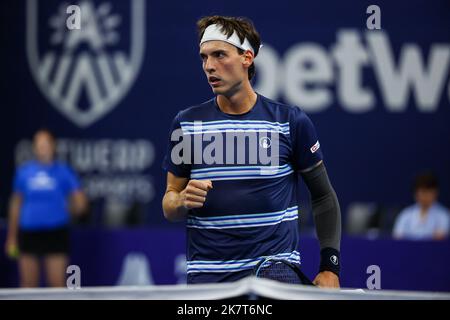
x: 444, y: 223
x: 305, y: 143
x: 400, y: 225
x: 175, y: 157
x: 71, y: 180
x: 19, y: 183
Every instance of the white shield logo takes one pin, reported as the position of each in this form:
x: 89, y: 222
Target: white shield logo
x: 82, y: 72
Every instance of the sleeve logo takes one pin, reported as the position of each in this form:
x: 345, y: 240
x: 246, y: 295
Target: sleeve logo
x: 315, y: 147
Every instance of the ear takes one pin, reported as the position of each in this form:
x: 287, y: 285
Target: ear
x: 247, y: 58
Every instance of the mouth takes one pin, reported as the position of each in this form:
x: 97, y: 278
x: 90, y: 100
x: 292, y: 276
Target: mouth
x: 214, y: 81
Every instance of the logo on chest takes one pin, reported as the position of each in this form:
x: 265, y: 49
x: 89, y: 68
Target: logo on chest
x: 42, y: 181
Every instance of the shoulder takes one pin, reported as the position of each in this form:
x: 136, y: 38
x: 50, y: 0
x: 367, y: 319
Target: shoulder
x: 286, y: 113
x: 280, y: 107
x: 407, y: 212
x: 26, y: 167
x: 441, y: 211
x: 196, y: 112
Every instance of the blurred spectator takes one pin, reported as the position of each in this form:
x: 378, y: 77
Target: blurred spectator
x: 426, y: 219
x: 39, y: 214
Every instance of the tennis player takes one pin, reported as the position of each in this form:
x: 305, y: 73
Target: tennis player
x: 240, y: 212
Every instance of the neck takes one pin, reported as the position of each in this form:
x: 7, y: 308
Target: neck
x: 239, y: 102
x: 45, y: 161
x: 424, y: 209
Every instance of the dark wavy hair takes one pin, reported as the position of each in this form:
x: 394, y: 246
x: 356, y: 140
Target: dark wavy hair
x: 243, y: 27
x: 426, y: 180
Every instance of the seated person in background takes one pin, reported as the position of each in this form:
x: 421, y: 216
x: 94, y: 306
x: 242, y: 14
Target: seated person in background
x: 426, y: 219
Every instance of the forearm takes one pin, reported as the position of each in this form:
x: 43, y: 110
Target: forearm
x: 327, y: 216
x: 13, y: 216
x: 78, y: 203
x: 173, y: 207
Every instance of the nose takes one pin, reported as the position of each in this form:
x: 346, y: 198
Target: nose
x: 209, y: 66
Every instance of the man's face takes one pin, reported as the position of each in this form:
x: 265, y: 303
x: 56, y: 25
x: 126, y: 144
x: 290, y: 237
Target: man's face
x: 224, y: 67
x: 425, y: 196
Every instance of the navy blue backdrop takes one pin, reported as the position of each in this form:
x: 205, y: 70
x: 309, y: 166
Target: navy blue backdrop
x: 379, y: 98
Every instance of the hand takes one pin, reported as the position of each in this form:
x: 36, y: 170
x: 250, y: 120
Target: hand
x: 326, y: 279
x: 11, y: 247
x: 78, y: 203
x: 439, y: 235
x: 194, y: 195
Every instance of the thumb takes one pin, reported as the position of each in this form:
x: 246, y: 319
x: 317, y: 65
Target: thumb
x: 316, y: 281
x: 209, y: 184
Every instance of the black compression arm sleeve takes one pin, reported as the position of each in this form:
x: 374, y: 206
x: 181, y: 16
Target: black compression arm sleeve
x: 327, y: 216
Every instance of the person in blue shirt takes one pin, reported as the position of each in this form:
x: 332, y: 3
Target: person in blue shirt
x: 233, y: 164
x: 427, y: 219
x: 44, y: 192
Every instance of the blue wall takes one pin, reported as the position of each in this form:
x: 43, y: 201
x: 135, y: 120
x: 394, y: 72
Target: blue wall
x: 376, y: 134
x: 100, y: 254
x: 372, y: 148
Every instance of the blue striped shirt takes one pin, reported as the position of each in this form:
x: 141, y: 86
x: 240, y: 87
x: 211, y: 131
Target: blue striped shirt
x: 252, y: 211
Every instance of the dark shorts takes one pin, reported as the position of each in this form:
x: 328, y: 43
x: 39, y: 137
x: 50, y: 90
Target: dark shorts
x: 44, y: 242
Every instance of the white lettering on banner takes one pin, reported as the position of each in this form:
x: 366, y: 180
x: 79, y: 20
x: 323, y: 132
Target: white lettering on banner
x: 137, y: 187
x: 109, y: 168
x: 307, y: 72
x: 351, y: 57
x: 308, y: 64
x: 427, y: 83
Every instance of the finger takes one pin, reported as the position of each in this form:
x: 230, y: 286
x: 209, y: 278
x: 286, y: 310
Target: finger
x: 203, y: 185
x: 195, y: 198
x: 193, y: 204
x: 327, y: 284
x: 195, y: 191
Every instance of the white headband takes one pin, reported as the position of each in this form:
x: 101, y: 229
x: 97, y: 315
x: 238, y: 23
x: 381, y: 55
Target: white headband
x: 213, y: 32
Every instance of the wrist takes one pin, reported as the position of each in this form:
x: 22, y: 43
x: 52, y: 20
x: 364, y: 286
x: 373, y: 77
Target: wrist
x: 181, y: 202
x: 173, y: 206
x: 180, y: 205
x: 12, y: 234
x: 330, y: 260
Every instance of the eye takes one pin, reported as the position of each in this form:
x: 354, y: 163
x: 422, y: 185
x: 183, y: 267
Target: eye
x: 219, y: 54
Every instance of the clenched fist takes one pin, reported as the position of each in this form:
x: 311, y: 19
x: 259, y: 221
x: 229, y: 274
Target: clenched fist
x: 194, y: 195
